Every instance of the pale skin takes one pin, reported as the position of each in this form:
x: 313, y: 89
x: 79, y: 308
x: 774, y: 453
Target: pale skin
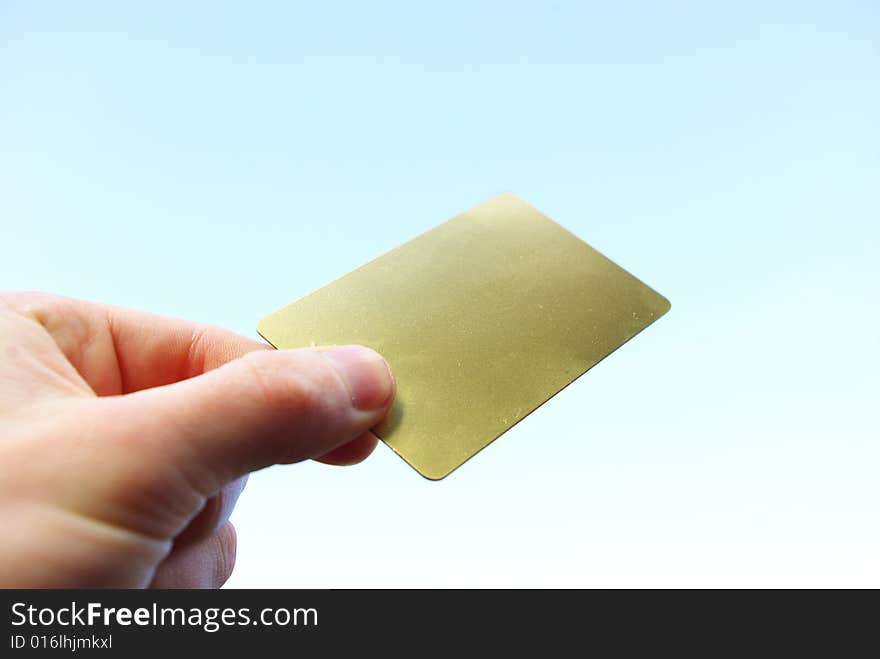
x: 126, y: 438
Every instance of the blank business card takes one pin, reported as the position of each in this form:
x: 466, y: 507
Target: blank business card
x: 482, y: 319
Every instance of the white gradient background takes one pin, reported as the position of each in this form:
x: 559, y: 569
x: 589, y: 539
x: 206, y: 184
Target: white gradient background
x: 215, y: 162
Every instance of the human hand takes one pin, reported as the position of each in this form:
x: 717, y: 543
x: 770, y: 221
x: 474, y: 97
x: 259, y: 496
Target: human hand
x: 126, y: 438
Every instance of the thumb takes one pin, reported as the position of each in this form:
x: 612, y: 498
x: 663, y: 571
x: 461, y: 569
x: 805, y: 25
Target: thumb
x: 266, y: 407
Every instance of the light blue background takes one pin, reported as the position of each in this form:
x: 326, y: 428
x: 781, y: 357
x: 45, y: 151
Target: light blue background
x: 215, y: 161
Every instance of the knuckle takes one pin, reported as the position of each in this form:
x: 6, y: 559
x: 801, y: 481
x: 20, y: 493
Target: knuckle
x: 28, y: 303
x: 292, y: 381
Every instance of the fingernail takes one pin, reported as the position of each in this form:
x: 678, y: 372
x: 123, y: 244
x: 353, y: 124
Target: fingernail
x: 366, y: 374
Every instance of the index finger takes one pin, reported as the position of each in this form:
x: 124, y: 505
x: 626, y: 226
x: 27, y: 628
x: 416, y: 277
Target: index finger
x: 119, y: 350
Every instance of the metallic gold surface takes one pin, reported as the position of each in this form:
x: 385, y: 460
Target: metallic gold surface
x: 482, y: 318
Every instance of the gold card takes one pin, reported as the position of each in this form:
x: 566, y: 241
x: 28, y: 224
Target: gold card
x: 482, y: 319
